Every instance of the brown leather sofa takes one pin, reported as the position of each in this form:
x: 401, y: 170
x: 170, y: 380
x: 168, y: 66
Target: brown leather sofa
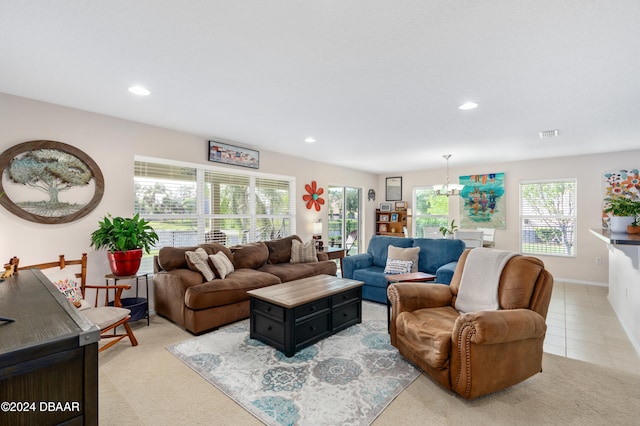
x: 475, y: 353
x: 183, y: 296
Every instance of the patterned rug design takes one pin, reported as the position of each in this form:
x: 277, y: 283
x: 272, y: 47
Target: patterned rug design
x: 346, y: 379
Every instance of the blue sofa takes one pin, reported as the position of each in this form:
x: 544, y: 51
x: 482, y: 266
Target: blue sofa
x: 437, y: 256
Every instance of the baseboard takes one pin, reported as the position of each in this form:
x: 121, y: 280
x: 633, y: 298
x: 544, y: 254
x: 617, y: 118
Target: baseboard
x: 572, y: 281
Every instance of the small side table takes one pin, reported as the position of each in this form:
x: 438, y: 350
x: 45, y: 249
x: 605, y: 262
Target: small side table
x: 334, y: 253
x: 420, y: 277
x: 115, y: 279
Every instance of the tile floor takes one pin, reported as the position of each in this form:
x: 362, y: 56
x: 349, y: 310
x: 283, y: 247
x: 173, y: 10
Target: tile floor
x: 581, y: 324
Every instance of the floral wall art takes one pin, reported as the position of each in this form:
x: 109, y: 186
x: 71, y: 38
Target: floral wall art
x: 619, y: 183
x: 482, y: 203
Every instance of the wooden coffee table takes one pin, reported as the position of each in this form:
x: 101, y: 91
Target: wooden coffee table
x: 296, y: 314
x: 398, y: 278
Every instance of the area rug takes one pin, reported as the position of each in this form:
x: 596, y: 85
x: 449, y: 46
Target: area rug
x: 345, y: 379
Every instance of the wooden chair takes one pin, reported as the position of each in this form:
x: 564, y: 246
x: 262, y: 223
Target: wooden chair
x: 351, y: 240
x: 106, y: 318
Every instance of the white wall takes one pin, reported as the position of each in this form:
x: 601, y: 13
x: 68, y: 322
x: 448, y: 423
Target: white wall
x: 587, y: 169
x: 113, y: 143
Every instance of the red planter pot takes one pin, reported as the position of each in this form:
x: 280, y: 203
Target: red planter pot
x: 125, y: 263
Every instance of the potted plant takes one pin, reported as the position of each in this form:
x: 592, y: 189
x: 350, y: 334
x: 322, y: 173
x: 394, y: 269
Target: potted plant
x: 450, y: 230
x: 125, y: 238
x: 624, y: 212
x: 634, y: 228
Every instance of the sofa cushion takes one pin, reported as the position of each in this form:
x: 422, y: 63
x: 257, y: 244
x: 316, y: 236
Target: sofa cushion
x: 170, y: 258
x: 65, y: 280
x: 428, y: 332
x: 222, y: 266
x: 197, y: 260
x: 280, y: 249
x: 409, y: 253
x: 295, y: 271
x: 232, y: 289
x: 437, y: 252
x: 303, y: 253
x: 250, y: 255
x: 379, y: 247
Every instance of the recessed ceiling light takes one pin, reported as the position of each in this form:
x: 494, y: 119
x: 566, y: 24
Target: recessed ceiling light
x: 309, y: 140
x: 468, y: 105
x: 139, y: 90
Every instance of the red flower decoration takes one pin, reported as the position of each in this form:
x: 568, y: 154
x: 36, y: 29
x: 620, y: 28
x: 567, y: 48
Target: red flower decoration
x: 313, y: 198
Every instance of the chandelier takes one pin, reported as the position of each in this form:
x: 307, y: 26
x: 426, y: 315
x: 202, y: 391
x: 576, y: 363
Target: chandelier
x: 449, y: 188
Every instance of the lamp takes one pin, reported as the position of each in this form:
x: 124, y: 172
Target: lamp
x: 317, y: 234
x: 448, y: 188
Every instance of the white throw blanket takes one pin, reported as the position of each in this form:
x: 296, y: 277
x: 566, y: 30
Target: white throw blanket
x: 478, y: 289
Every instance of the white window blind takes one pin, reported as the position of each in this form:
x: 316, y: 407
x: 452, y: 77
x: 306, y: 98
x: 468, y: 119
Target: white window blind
x: 189, y: 205
x: 548, y: 217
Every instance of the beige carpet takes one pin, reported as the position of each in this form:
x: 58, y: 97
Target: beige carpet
x: 146, y: 385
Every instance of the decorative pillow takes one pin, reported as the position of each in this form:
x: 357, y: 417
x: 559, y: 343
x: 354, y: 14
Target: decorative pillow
x: 222, y: 264
x: 303, y: 253
x: 395, y: 266
x: 65, y: 280
x: 411, y: 254
x: 197, y: 261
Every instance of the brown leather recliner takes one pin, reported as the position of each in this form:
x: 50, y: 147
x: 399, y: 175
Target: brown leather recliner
x: 475, y: 353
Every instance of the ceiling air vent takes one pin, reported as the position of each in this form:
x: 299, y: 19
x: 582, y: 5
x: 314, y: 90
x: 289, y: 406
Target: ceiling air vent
x: 549, y: 133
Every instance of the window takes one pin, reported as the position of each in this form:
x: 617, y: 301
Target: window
x: 548, y: 217
x: 430, y: 212
x: 189, y: 204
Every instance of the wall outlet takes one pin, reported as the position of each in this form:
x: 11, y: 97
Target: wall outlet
x: 598, y: 260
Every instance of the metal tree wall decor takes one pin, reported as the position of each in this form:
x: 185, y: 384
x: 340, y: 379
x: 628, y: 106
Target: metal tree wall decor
x: 49, y: 182
x: 313, y: 198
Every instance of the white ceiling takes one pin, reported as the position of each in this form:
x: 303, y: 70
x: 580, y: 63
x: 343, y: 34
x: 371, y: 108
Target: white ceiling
x: 377, y: 83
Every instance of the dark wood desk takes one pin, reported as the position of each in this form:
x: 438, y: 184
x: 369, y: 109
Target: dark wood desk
x: 48, y: 355
x: 403, y: 278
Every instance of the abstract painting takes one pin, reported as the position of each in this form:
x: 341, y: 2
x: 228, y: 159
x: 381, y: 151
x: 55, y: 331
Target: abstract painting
x: 482, y: 201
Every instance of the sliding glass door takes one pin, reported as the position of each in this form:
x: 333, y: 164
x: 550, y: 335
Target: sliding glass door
x: 344, y: 218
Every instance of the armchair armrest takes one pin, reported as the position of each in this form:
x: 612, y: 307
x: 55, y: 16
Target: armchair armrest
x: 410, y: 296
x: 502, y: 326
x: 118, y: 289
x: 353, y: 263
x: 492, y: 350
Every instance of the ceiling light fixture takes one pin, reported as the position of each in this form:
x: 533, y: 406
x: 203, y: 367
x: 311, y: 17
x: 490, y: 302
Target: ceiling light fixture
x: 309, y: 140
x: 449, y: 188
x: 468, y: 105
x: 139, y: 90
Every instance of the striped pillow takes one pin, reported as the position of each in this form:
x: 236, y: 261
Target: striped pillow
x: 303, y: 253
x: 197, y: 261
x: 222, y: 264
x: 396, y: 266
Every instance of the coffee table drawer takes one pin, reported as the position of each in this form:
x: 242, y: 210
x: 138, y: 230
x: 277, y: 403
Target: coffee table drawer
x: 268, y: 309
x: 313, y: 328
x: 346, y: 296
x: 268, y: 328
x: 312, y: 308
x: 347, y: 315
